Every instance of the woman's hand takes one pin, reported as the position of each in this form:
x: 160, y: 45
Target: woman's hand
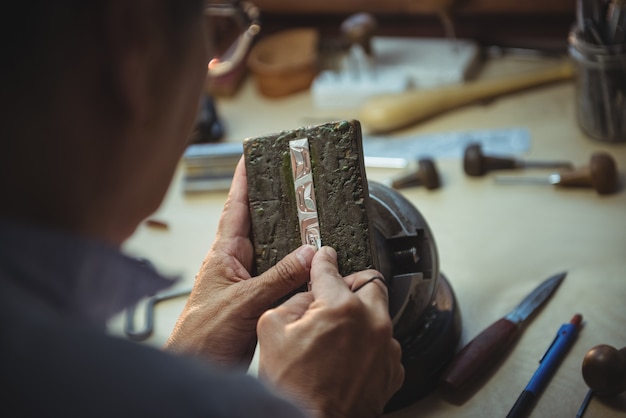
x: 220, y: 318
x: 331, y: 349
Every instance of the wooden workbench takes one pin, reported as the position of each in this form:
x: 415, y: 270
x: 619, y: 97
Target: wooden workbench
x: 495, y: 242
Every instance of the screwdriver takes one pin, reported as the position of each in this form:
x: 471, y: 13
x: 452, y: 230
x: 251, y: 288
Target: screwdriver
x: 426, y: 175
x: 477, y: 164
x: 601, y: 174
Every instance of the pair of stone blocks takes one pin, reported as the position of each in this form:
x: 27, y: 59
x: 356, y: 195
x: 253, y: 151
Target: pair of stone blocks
x: 341, y: 195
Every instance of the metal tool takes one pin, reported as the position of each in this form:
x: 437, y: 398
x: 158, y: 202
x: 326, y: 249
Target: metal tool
x: 146, y: 331
x: 601, y: 174
x: 616, y: 21
x: 426, y: 175
x: 604, y: 371
x: 476, y: 164
x: 358, y: 29
x: 444, y: 9
x: 480, y: 354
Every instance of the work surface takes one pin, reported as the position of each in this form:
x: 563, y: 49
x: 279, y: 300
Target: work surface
x: 495, y: 242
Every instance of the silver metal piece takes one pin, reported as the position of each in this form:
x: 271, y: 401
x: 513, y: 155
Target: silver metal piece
x: 565, y: 165
x: 408, y: 255
x: 547, y: 180
x: 305, y: 192
x: 145, y: 332
x: 554, y: 178
x: 535, y: 299
x: 386, y: 162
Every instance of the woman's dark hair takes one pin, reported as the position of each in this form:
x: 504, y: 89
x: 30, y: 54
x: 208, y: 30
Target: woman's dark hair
x: 40, y: 41
x: 31, y: 31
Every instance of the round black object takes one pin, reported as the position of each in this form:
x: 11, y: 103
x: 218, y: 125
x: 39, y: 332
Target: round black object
x: 422, y: 305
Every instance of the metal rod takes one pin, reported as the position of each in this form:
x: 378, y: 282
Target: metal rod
x: 585, y: 403
x: 545, y: 164
x: 547, y: 180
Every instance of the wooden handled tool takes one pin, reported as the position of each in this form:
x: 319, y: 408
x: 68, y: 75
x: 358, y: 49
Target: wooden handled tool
x: 604, y: 371
x: 388, y: 112
x: 601, y: 174
x: 426, y: 175
x: 476, y: 163
x: 488, y: 347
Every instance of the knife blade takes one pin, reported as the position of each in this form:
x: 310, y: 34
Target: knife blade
x: 484, y: 351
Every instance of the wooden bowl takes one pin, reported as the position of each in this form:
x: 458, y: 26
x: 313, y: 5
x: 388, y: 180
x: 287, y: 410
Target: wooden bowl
x: 285, y: 62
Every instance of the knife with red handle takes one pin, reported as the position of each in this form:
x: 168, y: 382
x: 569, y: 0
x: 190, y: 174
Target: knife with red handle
x: 484, y: 351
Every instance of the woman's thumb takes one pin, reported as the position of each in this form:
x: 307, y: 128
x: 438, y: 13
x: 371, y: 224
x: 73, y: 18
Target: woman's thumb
x: 284, y: 277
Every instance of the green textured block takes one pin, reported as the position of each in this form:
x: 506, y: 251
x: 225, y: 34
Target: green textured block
x: 341, y: 195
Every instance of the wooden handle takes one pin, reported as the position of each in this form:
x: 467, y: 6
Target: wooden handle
x: 426, y: 175
x: 604, y: 370
x: 388, y: 112
x: 476, y: 164
x: 480, y: 354
x: 601, y: 174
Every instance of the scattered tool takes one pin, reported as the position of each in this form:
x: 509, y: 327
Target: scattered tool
x: 426, y: 175
x: 601, y: 174
x: 444, y: 9
x: 602, y: 22
x: 604, y: 371
x: 393, y: 111
x: 359, y: 29
x: 490, y: 345
x: 157, y: 224
x: 476, y: 164
x: 547, y: 366
x: 616, y: 22
x: 359, y: 64
x: 146, y: 331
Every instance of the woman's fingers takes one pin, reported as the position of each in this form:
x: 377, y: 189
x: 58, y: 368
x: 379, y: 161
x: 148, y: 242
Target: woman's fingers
x: 326, y: 282
x: 235, y: 219
x: 286, y: 276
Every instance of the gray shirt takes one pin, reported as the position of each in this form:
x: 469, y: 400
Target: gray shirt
x: 56, y: 293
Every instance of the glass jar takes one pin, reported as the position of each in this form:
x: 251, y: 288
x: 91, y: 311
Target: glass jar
x: 600, y: 88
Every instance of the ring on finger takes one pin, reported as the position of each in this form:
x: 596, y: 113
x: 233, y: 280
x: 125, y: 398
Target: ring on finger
x: 382, y: 280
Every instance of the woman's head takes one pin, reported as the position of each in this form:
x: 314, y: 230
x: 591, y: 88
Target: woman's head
x: 101, y: 98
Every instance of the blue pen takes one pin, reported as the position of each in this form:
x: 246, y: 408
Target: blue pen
x: 547, y: 365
